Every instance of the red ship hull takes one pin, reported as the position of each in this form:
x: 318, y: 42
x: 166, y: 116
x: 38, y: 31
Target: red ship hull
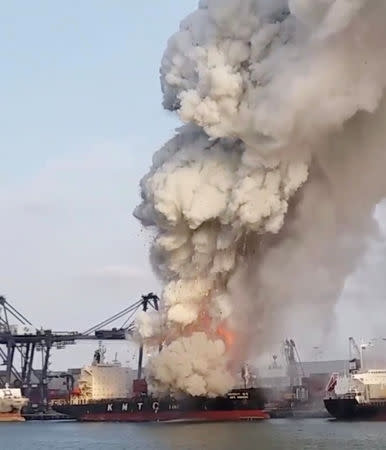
x: 11, y: 417
x: 171, y: 416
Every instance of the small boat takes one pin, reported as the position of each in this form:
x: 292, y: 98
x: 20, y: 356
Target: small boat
x: 11, y: 404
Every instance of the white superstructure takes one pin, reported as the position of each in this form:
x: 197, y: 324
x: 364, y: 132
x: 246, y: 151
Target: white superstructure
x: 11, y: 403
x: 102, y: 380
x: 365, y: 387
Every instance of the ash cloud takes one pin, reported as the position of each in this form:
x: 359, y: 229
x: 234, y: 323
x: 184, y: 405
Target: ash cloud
x: 263, y: 202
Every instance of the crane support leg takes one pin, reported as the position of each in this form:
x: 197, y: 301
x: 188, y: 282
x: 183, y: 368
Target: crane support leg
x: 25, y: 362
x: 44, y: 378
x: 10, y: 355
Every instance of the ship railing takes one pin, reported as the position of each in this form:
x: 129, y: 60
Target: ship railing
x: 349, y: 395
x: 377, y: 402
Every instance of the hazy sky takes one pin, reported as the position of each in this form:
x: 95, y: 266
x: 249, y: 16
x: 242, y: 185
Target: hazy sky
x: 80, y: 117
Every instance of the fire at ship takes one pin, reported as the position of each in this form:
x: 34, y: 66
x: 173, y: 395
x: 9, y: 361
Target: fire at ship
x: 254, y: 206
x: 255, y: 202
x: 243, y: 404
x: 103, y: 397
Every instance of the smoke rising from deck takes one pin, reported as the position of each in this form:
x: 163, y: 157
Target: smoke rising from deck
x: 263, y: 202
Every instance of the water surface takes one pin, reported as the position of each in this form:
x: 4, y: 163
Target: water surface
x: 281, y: 434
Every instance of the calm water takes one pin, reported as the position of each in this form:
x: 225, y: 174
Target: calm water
x: 273, y: 435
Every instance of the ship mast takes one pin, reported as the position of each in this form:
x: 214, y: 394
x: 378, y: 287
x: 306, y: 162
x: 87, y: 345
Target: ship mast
x: 245, y: 375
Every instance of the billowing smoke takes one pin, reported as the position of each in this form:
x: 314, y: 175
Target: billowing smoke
x: 263, y: 201
x: 193, y: 364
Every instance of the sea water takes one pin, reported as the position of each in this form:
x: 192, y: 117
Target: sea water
x: 279, y: 434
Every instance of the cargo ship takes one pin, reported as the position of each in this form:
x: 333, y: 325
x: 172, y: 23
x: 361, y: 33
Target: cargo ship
x: 358, y: 394
x: 103, y: 396
x: 243, y: 404
x: 11, y: 404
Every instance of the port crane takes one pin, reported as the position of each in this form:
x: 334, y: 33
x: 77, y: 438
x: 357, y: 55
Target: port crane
x: 355, y: 356
x: 293, y: 362
x: 295, y: 371
x: 22, y: 339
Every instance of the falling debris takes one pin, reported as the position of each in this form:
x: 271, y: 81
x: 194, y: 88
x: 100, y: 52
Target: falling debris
x: 263, y: 201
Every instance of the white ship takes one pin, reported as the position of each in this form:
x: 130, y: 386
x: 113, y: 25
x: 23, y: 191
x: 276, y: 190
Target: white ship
x: 11, y: 404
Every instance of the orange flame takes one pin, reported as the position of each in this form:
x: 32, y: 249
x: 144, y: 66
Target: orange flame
x: 204, y: 323
x: 226, y: 335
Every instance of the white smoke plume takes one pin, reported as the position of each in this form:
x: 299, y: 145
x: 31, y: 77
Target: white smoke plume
x: 194, y: 364
x: 263, y: 202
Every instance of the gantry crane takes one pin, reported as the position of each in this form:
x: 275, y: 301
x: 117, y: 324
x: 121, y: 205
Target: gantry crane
x: 23, y: 339
x: 295, y: 372
x: 293, y: 361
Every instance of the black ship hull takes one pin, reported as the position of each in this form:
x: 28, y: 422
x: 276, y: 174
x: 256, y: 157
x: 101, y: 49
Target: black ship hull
x: 245, y: 404
x: 350, y: 409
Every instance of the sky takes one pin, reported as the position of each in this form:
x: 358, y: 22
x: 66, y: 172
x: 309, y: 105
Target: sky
x: 80, y: 117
